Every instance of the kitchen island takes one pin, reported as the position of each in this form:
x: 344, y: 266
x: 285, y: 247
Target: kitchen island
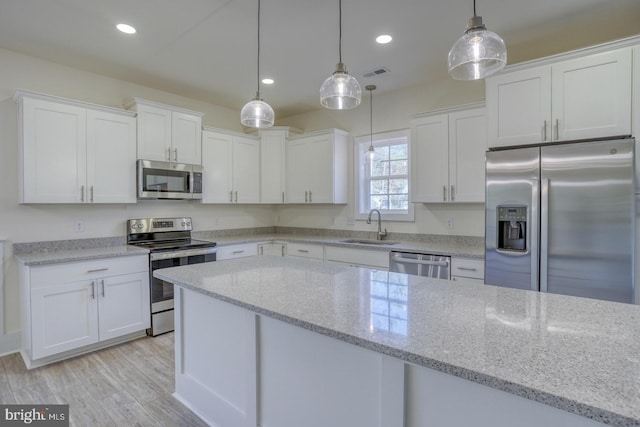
x: 275, y: 341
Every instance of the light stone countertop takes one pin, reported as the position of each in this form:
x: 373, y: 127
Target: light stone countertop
x: 576, y: 354
x: 44, y: 257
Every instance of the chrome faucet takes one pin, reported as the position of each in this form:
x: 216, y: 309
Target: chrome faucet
x: 381, y: 234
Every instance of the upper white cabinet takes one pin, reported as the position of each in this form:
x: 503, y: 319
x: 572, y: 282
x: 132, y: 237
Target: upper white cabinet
x: 231, y: 164
x: 448, y: 156
x: 273, y: 164
x: 168, y: 134
x: 585, y: 97
x: 74, y: 152
x: 316, y: 168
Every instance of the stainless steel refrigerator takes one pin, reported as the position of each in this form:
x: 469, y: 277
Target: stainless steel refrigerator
x: 561, y: 219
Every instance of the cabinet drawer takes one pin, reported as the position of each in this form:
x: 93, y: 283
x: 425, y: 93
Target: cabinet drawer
x: 236, y: 251
x: 305, y: 250
x: 465, y: 267
x: 45, y: 275
x: 362, y: 257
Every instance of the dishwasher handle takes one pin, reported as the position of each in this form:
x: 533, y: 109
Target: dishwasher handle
x: 402, y: 260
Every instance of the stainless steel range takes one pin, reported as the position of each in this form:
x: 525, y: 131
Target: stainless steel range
x: 170, y: 244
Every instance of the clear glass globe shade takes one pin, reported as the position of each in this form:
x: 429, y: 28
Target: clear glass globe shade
x: 476, y: 55
x: 370, y: 154
x: 257, y: 114
x: 340, y: 92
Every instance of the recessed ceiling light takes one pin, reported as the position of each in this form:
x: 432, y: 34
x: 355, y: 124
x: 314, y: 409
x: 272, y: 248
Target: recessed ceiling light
x: 384, y: 39
x: 268, y: 81
x: 125, y: 28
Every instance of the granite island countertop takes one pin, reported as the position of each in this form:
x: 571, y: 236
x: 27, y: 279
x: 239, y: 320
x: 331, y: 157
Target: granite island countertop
x: 576, y: 354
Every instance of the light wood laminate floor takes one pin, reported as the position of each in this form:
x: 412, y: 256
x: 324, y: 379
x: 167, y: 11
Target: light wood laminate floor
x: 130, y: 384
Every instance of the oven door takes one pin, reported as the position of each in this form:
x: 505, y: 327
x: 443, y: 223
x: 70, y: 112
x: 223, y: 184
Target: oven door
x: 164, y: 180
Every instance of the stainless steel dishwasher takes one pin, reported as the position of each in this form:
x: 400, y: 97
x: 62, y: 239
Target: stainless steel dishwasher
x: 420, y: 264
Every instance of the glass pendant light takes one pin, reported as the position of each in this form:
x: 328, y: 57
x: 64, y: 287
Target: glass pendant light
x: 257, y: 113
x: 478, y: 54
x: 371, y: 152
x: 340, y: 91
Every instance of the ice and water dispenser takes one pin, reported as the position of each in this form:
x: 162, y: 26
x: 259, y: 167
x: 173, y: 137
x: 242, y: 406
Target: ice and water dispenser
x: 512, y: 228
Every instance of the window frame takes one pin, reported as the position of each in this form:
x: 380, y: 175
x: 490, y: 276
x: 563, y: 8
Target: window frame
x: 360, y: 146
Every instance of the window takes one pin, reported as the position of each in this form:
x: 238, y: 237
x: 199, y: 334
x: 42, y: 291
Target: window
x: 383, y: 182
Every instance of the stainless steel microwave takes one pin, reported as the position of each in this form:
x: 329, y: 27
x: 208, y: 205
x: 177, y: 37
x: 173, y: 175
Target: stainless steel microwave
x: 168, y: 180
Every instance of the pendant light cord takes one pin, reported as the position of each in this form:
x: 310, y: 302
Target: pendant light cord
x: 258, y: 76
x: 340, y: 30
x: 371, y: 117
x: 474, y: 8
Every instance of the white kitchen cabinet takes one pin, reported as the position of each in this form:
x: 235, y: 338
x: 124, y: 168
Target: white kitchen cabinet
x: 75, y: 152
x: 167, y: 133
x: 448, y: 155
x: 316, y: 168
x: 236, y: 251
x: 305, y: 250
x: 272, y: 248
x: 371, y: 258
x: 231, y: 166
x: 584, y: 97
x: 70, y: 306
x: 273, y: 164
x: 468, y: 269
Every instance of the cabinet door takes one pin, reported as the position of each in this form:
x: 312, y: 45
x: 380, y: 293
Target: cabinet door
x: 53, y: 152
x: 217, y: 149
x: 186, y: 138
x: 592, y: 96
x: 246, y: 170
x: 111, y: 157
x: 297, y: 173
x: 320, y: 169
x: 430, y: 159
x: 63, y: 317
x: 467, y: 147
x: 154, y: 133
x: 123, y: 305
x: 519, y: 107
x: 272, y: 166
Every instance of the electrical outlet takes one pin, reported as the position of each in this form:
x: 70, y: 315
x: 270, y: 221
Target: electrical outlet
x: 333, y: 220
x: 79, y: 226
x: 449, y: 222
x: 351, y: 221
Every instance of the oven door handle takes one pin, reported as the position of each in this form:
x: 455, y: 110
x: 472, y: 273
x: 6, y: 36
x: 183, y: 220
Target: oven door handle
x: 155, y: 256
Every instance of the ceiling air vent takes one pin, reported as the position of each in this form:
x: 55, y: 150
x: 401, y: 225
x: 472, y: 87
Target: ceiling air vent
x: 376, y: 72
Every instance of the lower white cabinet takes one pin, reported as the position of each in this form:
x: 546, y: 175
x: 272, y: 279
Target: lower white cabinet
x: 305, y: 250
x: 358, y: 257
x: 236, y: 251
x: 72, y: 305
x: 272, y: 248
x: 468, y: 269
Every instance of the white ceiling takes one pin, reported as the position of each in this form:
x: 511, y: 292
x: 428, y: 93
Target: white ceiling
x: 206, y: 49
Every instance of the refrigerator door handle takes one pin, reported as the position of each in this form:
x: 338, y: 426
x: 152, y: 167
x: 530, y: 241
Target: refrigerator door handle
x: 533, y: 231
x: 544, y: 232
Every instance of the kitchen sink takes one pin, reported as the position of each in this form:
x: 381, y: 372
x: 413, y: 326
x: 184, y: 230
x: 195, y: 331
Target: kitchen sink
x: 369, y: 242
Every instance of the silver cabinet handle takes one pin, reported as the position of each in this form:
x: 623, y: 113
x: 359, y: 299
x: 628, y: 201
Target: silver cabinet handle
x: 283, y: 197
x: 175, y: 154
x: 93, y: 289
x: 453, y: 193
x: 544, y: 131
x: 82, y: 193
x: 236, y: 197
x: 169, y: 153
x: 92, y: 194
x: 306, y: 197
x: 231, y: 196
x: 304, y: 251
x: 557, y: 129
x: 261, y: 250
x: 444, y: 193
x: 238, y: 252
x: 467, y: 268
x: 310, y: 198
x: 102, y: 283
x: 283, y: 250
x: 97, y: 270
